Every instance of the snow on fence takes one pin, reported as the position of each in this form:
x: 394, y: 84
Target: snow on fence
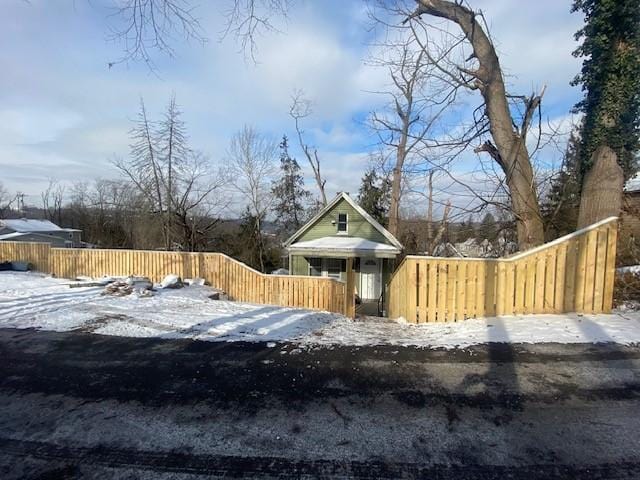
x: 574, y: 273
x: 241, y: 282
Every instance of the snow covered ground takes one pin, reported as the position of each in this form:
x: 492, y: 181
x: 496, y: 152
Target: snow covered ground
x: 32, y: 300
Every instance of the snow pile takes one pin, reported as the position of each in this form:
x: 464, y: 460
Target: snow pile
x: 635, y: 269
x: 31, y: 300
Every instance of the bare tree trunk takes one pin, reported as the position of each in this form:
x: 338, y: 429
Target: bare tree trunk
x: 394, y: 206
x: 430, y: 210
x: 442, y: 228
x: 602, y: 188
x: 510, y: 150
x: 401, y: 156
x: 301, y: 108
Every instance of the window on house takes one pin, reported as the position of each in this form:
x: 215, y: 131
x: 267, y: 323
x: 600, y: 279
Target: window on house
x: 334, y: 267
x: 342, y: 222
x: 315, y: 267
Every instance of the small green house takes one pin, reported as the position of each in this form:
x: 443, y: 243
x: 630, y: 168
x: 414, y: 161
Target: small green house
x: 344, y: 230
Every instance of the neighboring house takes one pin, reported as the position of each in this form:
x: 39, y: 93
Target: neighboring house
x: 30, y: 230
x: 629, y: 234
x: 339, y: 231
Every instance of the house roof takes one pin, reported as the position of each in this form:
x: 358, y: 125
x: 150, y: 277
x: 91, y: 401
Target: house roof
x: 27, y: 225
x: 344, y: 246
x: 345, y: 196
x: 11, y: 236
x: 633, y: 184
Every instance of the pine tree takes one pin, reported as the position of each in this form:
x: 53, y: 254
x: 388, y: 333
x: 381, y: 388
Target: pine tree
x: 250, y: 249
x: 374, y: 195
x: 291, y: 196
x: 610, y: 78
x: 488, y: 228
x: 562, y: 203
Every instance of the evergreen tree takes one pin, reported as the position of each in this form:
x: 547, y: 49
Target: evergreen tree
x: 610, y: 78
x: 488, y: 228
x: 250, y: 240
x: 374, y: 195
x: 562, y: 203
x: 289, y: 192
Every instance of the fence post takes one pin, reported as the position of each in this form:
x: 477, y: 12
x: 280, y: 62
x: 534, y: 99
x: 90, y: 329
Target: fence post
x: 350, y: 291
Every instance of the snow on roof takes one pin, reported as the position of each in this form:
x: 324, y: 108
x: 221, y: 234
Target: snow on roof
x: 29, y: 225
x: 9, y: 236
x: 633, y: 184
x: 344, y: 244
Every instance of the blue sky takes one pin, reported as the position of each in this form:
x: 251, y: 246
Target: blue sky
x: 64, y: 114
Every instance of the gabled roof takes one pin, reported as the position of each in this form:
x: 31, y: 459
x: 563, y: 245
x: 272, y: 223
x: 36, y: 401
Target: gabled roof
x: 344, y: 196
x: 27, y: 225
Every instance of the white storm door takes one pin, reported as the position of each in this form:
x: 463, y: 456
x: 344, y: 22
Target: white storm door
x: 369, y: 278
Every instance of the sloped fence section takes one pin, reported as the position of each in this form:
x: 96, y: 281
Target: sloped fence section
x: 239, y: 281
x: 574, y: 273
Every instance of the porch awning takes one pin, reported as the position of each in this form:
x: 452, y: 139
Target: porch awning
x: 343, y: 247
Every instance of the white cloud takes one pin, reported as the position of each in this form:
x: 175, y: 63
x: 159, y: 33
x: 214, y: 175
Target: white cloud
x: 31, y: 124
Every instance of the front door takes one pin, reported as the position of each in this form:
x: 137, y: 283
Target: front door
x: 370, y: 278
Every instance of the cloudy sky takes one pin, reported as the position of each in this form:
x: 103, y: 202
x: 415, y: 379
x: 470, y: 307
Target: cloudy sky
x: 64, y: 114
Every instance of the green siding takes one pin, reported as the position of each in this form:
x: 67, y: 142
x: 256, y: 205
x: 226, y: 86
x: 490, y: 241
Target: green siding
x: 299, y: 265
x: 358, y: 226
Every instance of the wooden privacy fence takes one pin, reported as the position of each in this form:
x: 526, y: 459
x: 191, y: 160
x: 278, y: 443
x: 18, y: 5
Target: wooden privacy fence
x: 239, y: 281
x: 574, y: 273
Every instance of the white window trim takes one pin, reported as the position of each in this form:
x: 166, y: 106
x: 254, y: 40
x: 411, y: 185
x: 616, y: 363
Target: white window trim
x: 338, y: 232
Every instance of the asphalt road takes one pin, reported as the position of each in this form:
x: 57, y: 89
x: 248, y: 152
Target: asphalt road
x: 75, y: 405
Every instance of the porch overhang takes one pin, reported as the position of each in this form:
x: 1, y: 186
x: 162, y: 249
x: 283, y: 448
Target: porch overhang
x: 343, y: 247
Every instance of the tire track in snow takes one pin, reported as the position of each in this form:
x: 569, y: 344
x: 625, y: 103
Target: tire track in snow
x: 27, y: 306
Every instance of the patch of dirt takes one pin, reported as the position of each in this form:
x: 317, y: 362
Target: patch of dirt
x: 91, y: 326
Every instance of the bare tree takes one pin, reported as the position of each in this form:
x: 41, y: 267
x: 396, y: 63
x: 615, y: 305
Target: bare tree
x: 144, y: 169
x: 197, y: 201
x: 6, y: 201
x: 481, y: 71
x: 248, y: 19
x: 251, y: 159
x: 145, y: 26
x: 52, y: 199
x: 415, y: 104
x: 301, y: 109
x: 178, y: 184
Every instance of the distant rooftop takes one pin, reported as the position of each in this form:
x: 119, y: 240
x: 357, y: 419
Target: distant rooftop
x: 25, y: 225
x: 633, y: 184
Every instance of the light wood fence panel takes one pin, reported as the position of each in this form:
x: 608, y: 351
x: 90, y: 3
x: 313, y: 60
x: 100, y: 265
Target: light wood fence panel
x: 239, y: 281
x: 574, y: 273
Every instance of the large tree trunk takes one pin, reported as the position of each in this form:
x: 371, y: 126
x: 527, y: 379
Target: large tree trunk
x: 394, y: 205
x: 509, y: 151
x: 396, y: 186
x: 602, y: 188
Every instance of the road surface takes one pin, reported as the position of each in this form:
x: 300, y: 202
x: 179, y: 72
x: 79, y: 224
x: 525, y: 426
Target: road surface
x: 78, y: 405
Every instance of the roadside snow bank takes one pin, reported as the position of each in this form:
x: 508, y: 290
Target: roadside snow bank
x: 31, y: 300
x: 568, y: 328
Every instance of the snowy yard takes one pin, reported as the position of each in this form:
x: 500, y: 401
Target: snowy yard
x: 32, y: 300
